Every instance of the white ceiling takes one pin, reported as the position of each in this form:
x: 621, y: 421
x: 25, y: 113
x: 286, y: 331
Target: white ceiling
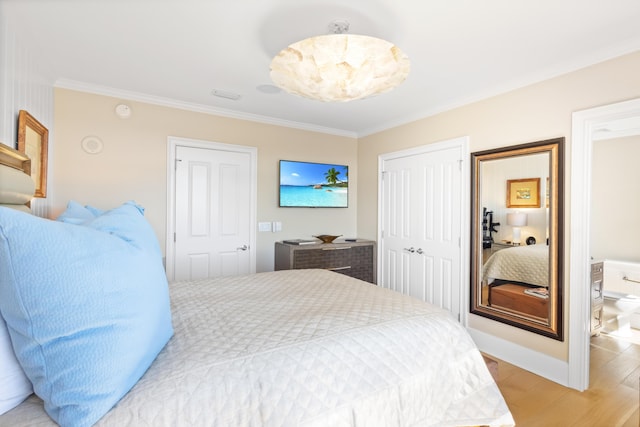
x: 175, y: 52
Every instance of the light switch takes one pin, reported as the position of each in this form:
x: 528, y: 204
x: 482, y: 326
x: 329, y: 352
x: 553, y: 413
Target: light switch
x: 264, y: 226
x: 277, y: 226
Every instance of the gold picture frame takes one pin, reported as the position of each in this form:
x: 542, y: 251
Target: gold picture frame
x: 33, y: 140
x: 523, y: 193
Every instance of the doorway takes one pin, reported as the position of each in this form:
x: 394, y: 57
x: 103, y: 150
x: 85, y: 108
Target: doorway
x: 422, y: 215
x: 211, y: 209
x: 618, y: 120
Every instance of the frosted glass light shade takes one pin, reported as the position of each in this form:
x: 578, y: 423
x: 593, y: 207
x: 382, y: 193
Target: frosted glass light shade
x: 339, y: 67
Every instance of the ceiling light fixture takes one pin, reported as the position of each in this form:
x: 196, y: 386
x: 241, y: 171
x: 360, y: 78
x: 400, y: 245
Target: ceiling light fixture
x: 339, y: 66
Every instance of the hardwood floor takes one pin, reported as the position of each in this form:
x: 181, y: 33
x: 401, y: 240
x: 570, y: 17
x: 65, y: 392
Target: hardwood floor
x: 611, y: 400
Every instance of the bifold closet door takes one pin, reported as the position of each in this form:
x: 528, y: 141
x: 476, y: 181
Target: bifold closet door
x: 421, y: 214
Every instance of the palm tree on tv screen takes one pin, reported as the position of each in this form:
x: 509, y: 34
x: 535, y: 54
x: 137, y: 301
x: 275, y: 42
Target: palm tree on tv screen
x: 332, y: 176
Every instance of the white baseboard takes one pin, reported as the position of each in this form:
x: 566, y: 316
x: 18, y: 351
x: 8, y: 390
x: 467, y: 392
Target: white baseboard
x: 553, y: 369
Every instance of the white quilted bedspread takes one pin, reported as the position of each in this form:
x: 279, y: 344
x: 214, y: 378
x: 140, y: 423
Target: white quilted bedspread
x: 305, y: 348
x: 527, y: 264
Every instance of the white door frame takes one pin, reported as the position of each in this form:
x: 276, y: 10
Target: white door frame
x: 172, y: 143
x: 465, y: 230
x: 588, y: 126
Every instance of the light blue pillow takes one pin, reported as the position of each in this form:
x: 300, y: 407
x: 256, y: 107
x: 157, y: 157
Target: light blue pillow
x: 96, y: 211
x: 87, y: 307
x: 75, y: 213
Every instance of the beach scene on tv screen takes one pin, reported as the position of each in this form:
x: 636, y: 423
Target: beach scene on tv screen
x: 304, y: 184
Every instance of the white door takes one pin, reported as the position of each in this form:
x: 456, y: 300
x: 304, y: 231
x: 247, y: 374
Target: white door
x: 421, y: 214
x: 212, y: 213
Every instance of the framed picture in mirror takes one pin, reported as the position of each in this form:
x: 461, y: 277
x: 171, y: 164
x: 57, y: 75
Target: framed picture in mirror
x: 523, y: 193
x: 33, y: 139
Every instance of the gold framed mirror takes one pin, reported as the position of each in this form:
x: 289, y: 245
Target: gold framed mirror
x: 33, y: 139
x: 516, y: 241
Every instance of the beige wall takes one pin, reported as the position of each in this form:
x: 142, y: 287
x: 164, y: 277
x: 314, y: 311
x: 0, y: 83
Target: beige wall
x: 615, y: 199
x: 132, y: 165
x: 533, y: 113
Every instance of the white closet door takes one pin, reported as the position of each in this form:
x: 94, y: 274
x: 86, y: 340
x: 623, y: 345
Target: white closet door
x: 421, y: 213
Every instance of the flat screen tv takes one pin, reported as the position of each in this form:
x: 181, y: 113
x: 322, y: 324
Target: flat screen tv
x: 313, y: 185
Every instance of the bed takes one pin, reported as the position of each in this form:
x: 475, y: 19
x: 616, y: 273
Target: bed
x: 285, y: 348
x: 522, y: 264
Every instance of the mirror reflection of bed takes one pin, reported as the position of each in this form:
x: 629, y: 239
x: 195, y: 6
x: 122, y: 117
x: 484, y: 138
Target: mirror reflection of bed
x: 516, y: 279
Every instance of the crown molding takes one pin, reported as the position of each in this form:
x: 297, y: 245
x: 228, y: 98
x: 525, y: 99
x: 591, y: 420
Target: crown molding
x: 198, y: 108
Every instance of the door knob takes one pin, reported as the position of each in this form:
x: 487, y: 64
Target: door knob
x: 410, y: 250
x: 243, y: 248
x: 420, y: 251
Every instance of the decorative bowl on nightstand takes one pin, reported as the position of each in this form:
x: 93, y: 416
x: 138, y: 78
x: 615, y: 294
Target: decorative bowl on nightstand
x: 326, y: 238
